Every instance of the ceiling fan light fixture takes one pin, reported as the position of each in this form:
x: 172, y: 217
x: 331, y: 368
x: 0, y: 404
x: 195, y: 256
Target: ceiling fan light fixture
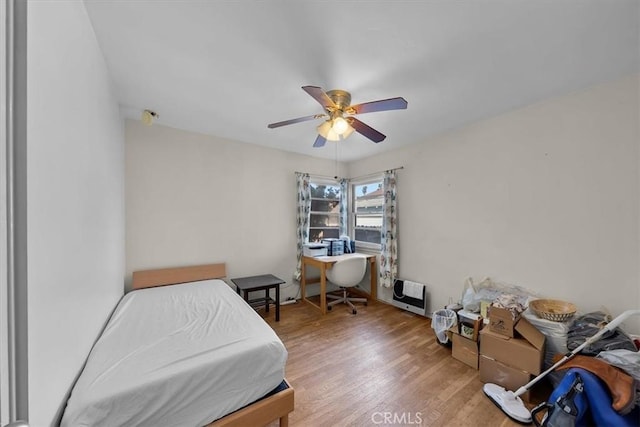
x: 336, y: 103
x: 348, y: 131
x: 328, y: 132
x: 340, y: 125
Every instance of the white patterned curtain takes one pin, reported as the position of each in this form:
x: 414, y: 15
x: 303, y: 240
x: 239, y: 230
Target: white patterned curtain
x: 303, y: 213
x: 344, y: 209
x: 389, y: 237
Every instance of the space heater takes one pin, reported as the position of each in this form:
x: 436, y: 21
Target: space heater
x: 409, y: 303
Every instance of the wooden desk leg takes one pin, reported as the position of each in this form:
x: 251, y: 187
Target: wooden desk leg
x: 323, y: 289
x: 374, y: 278
x: 266, y: 300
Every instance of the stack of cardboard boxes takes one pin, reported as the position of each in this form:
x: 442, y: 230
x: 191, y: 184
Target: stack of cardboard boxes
x: 511, y: 350
x: 464, y: 339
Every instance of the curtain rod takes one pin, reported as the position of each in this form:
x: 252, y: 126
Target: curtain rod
x: 317, y: 176
x: 355, y: 177
x: 377, y: 173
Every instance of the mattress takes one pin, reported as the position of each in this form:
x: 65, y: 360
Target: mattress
x: 180, y: 355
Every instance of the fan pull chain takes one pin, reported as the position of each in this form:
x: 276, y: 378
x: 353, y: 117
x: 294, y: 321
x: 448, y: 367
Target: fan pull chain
x: 336, y: 177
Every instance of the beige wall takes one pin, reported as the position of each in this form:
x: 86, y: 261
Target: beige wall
x: 546, y: 197
x: 193, y: 199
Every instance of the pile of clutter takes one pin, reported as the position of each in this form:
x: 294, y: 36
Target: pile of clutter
x: 517, y: 343
x: 511, y: 303
x: 599, y: 378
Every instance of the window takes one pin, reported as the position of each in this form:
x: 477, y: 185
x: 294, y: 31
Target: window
x: 324, y: 222
x: 367, y: 210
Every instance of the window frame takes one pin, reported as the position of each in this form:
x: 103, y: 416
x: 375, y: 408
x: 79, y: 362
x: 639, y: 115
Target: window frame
x: 360, y: 244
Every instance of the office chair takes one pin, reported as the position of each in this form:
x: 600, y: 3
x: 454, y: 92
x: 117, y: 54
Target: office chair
x: 347, y: 273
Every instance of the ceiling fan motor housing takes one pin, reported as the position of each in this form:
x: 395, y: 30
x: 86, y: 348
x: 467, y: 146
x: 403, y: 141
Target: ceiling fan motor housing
x: 341, y: 98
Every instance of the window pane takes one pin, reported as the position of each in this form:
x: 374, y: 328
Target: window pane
x: 325, y: 191
x: 368, y: 221
x: 325, y: 206
x: 370, y: 235
x: 317, y: 234
x: 368, y: 228
x: 324, y: 220
x: 369, y: 199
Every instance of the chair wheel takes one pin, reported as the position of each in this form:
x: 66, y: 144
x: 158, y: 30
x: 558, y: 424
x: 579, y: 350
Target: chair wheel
x: 329, y: 307
x: 354, y: 311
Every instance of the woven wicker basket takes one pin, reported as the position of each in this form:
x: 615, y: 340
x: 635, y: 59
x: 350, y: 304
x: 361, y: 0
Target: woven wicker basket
x: 551, y: 309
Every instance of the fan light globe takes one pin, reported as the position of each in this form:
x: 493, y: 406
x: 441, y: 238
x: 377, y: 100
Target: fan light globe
x: 340, y: 125
x: 348, y: 131
x: 327, y: 131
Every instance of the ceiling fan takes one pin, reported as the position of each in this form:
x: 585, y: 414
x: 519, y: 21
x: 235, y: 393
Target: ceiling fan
x: 340, y: 123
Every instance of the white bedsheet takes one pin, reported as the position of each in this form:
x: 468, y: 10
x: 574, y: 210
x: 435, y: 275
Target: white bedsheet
x: 182, y: 355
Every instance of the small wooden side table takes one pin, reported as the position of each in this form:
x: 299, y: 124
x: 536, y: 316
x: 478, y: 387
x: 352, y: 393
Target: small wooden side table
x: 259, y: 283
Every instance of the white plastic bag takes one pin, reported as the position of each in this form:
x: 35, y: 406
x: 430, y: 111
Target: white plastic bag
x: 441, y: 321
x: 473, y: 294
x: 488, y: 290
x: 469, y: 302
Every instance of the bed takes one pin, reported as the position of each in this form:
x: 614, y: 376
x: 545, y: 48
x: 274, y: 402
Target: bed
x: 182, y: 349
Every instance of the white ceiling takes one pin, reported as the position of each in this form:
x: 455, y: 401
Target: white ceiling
x: 228, y: 68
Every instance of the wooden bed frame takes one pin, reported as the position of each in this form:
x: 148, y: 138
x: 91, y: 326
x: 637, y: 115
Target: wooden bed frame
x: 259, y: 413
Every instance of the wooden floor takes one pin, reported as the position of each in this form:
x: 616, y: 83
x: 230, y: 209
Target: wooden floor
x: 383, y: 362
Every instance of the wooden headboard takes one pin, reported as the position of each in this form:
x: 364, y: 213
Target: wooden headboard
x: 172, y: 276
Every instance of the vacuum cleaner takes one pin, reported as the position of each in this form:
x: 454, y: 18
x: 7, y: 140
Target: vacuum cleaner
x: 511, y: 404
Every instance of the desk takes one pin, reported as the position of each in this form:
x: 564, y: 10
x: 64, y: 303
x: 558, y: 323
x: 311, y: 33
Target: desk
x: 259, y: 283
x: 323, y: 263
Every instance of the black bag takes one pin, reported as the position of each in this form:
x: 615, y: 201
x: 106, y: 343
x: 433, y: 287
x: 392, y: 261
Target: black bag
x: 584, y: 327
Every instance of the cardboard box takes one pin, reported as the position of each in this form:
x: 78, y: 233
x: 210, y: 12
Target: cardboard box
x: 526, y: 330
x: 492, y: 371
x: 525, y: 353
x: 469, y: 324
x: 465, y: 350
x: 502, y: 321
x: 469, y: 331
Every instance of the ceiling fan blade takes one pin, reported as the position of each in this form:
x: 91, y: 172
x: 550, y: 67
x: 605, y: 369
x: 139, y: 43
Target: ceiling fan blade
x: 381, y: 105
x: 320, y: 141
x: 366, y: 130
x: 319, y: 95
x: 298, y: 120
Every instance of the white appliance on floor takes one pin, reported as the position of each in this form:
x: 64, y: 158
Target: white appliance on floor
x: 410, y: 296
